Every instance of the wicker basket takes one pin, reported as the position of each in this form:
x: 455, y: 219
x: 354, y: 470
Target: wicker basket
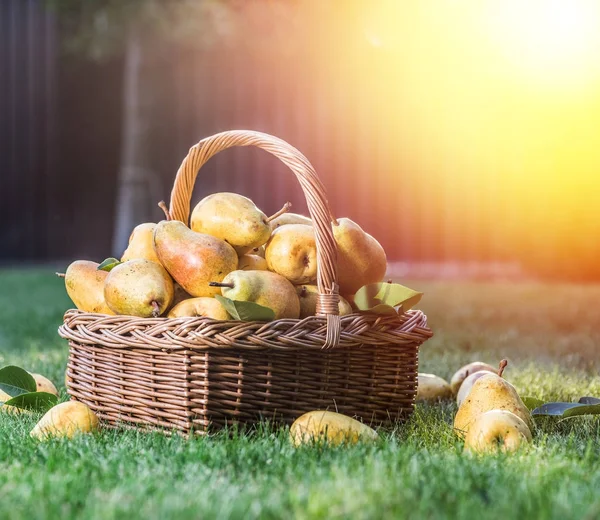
x: 191, y: 374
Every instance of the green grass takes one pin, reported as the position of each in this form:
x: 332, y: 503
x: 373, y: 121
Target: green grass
x: 550, y: 334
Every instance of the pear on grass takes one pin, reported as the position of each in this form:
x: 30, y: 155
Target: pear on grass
x: 202, y: 306
x: 263, y: 287
x: 250, y: 262
x: 44, y: 384
x: 65, y: 420
x: 497, y: 430
x: 139, y: 288
x: 141, y: 244
x: 309, y: 294
x: 467, y: 385
x: 85, y: 286
x: 5, y: 408
x: 331, y: 427
x: 432, y: 388
x: 193, y: 259
x: 490, y: 392
x: 462, y: 373
x: 292, y: 252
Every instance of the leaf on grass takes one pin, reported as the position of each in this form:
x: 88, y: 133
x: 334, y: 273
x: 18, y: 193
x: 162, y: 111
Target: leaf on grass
x: 15, y: 381
x: 34, y: 401
x: 246, y: 311
x: 589, y: 400
x: 567, y: 409
x: 109, y: 264
x: 391, y: 294
x: 532, y: 402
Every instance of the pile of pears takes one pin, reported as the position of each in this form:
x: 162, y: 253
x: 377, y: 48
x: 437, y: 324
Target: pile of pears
x: 230, y: 250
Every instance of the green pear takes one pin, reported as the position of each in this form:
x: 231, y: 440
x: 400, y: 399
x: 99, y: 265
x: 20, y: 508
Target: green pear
x: 139, y: 288
x: 462, y: 373
x: 193, y: 259
x: 263, y: 287
x: 432, y: 388
x: 497, y: 430
x: 252, y: 263
x: 141, y: 244
x: 233, y: 218
x: 85, y: 286
x: 289, y: 218
x: 292, y: 252
x: 308, y: 296
x: 361, y: 259
x: 490, y: 392
x: 203, y: 306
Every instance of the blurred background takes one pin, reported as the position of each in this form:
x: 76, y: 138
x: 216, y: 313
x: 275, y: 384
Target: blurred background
x: 462, y: 134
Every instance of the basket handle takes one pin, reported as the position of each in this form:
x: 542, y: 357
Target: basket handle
x: 314, y: 192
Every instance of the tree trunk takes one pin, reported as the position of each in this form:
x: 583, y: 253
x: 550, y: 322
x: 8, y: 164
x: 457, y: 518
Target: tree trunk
x: 138, y: 189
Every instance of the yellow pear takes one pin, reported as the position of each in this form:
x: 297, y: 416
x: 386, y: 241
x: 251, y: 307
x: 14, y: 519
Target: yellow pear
x: 5, y: 408
x: 250, y: 262
x: 292, y: 252
x: 44, y: 384
x: 141, y: 244
x: 497, y: 429
x: 232, y: 218
x: 85, y: 286
x: 467, y: 385
x: 193, y: 259
x: 258, y: 251
x: 331, y: 427
x: 65, y: 420
x: 432, y: 388
x: 203, y: 306
x: 461, y: 374
x: 139, y: 288
x: 289, y: 218
x: 490, y: 392
x: 309, y: 294
x: 263, y: 287
x: 361, y: 259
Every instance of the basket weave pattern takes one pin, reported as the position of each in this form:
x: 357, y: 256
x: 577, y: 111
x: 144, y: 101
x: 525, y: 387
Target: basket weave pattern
x: 190, y: 374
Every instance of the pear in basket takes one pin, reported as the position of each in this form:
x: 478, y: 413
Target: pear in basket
x: 85, y: 286
x: 292, y: 252
x: 141, y: 244
x: 199, y: 307
x: 289, y: 218
x: 193, y: 259
x: 232, y: 218
x: 308, y: 295
x: 361, y: 259
x: 252, y: 263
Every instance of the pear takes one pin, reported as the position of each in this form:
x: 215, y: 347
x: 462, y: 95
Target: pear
x: 292, y: 252
x: 308, y: 295
x: 497, y: 429
x: 203, y: 306
x: 193, y: 259
x: 85, y: 286
x: 65, y: 420
x: 232, y: 218
x: 44, y: 384
x: 263, y: 287
x: 258, y: 251
x: 5, y: 408
x: 490, y: 392
x: 467, y: 385
x: 331, y: 427
x: 289, y: 218
x: 432, y: 388
x: 461, y: 374
x: 141, y: 244
x: 252, y: 263
x: 361, y: 259
x: 139, y: 288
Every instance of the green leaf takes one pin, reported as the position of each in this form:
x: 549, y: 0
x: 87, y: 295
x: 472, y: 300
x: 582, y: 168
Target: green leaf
x: 567, y: 409
x: 34, y: 401
x: 589, y: 400
x: 246, y: 311
x: 109, y: 264
x: 16, y: 381
x: 392, y: 294
x: 532, y: 402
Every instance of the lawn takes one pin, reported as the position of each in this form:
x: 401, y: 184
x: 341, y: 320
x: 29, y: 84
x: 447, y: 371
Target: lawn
x: 549, y: 333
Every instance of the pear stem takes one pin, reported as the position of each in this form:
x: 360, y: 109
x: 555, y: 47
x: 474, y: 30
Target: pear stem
x: 162, y: 205
x: 221, y: 284
x: 285, y: 209
x: 156, y: 309
x: 503, y: 364
x: 60, y: 275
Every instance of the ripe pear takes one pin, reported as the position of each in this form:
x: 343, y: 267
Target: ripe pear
x: 308, y: 295
x: 44, y: 384
x: 361, y: 259
x: 461, y: 374
x: 490, y: 392
x: 292, y: 252
x: 232, y: 218
x: 65, y: 420
x: 193, y: 259
x: 203, y: 306
x: 252, y: 263
x: 467, y: 385
x: 139, y: 288
x: 331, y: 427
x: 289, y: 218
x: 432, y: 388
x: 5, y: 408
x: 258, y: 251
x: 265, y: 288
x: 497, y: 429
x: 141, y: 244
x: 85, y: 286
